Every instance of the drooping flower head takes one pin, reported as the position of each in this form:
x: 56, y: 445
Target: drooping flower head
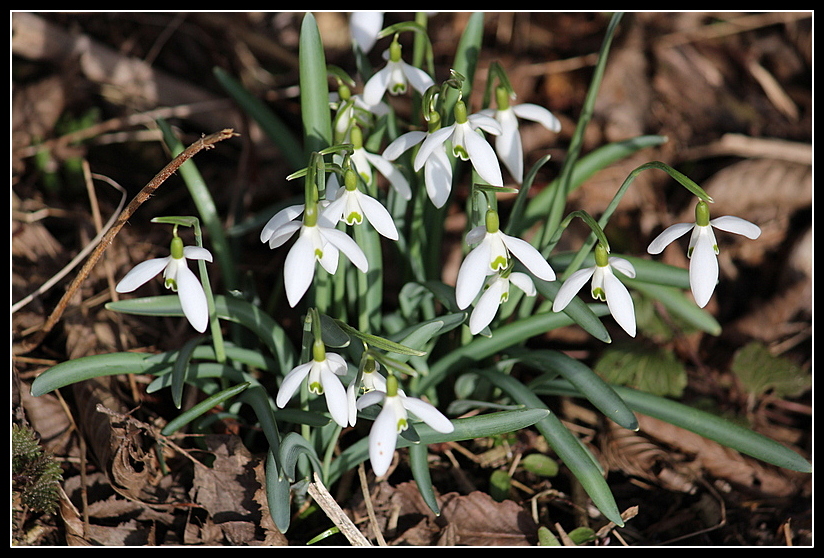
x: 176, y: 276
x: 318, y: 241
x: 393, y: 419
x: 467, y: 143
x: 703, y: 247
x: 491, y: 255
x: 322, y: 375
x: 352, y: 206
x: 508, y: 143
x: 496, y: 292
x: 605, y: 286
x: 395, y: 77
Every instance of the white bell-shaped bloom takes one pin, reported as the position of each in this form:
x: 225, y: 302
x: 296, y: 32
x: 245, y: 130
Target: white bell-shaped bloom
x: 467, y: 144
x: 177, y: 277
x: 703, y: 248
x: 395, y: 77
x: 492, y: 255
x: 437, y: 169
x: 496, y: 292
x: 350, y: 205
x: 508, y: 144
x: 322, y: 374
x: 605, y: 286
x: 394, y: 419
x: 318, y: 241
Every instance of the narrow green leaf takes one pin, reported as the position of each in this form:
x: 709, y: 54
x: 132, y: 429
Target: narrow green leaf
x: 88, y: 367
x: 419, y: 464
x: 705, y: 424
x: 469, y: 428
x: 277, y: 493
x: 504, y: 337
x: 204, y: 406
x: 292, y: 447
x: 227, y: 308
x: 572, y: 452
x: 598, y: 392
x: 314, y: 88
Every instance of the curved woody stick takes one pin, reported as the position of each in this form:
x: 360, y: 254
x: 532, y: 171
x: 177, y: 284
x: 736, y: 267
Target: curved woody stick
x: 207, y: 142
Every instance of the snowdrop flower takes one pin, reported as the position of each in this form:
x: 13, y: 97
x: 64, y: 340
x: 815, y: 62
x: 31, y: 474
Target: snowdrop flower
x: 395, y: 77
x: 365, y: 161
x: 605, y: 286
x: 491, y: 255
x: 352, y: 110
x: 318, y: 240
x: 177, y: 277
x: 703, y: 247
x: 394, y: 419
x: 496, y: 292
x: 351, y: 206
x: 323, y: 376
x: 364, y: 28
x: 466, y: 144
x: 508, y: 143
x: 437, y: 169
x: 370, y: 380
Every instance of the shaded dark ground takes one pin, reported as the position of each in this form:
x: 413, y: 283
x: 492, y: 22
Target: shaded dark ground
x: 732, y: 91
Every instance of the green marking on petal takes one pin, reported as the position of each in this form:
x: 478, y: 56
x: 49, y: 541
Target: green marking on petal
x: 460, y: 151
x: 498, y: 263
x: 316, y: 388
x: 599, y: 293
x: 354, y: 218
x: 170, y: 284
x: 318, y: 253
x: 402, y: 425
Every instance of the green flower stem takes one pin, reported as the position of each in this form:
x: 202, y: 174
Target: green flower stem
x: 565, y: 180
x: 684, y: 180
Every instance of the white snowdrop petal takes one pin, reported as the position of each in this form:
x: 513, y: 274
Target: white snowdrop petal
x: 737, y: 225
x: 530, y: 257
x: 403, y: 143
x: 483, y: 159
x: 539, y: 114
x: 703, y: 271
x: 192, y: 298
x: 280, y: 218
x: 197, y: 253
x: 622, y: 265
x: 619, y: 302
x: 349, y: 247
x: 417, y: 78
x: 291, y: 382
x: 429, y: 414
x: 382, y: 440
x: 141, y: 273
x: 472, y: 275
x: 523, y: 282
x: 299, y: 269
x: 487, y: 306
x: 438, y: 177
x: 570, y: 288
x: 668, y: 235
x: 376, y: 86
x: 379, y: 217
x: 335, y: 396
x: 433, y: 141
